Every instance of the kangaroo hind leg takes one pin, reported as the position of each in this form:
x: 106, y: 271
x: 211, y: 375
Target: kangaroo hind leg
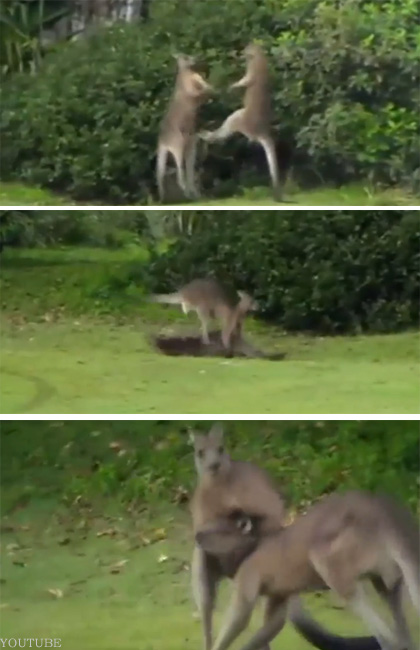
x: 231, y: 125
x: 204, y: 587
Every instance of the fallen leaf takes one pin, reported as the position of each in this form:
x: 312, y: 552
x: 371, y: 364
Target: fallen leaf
x: 57, y: 593
x: 116, y: 568
x: 181, y: 495
x: 163, y: 558
x: 110, y: 532
x: 159, y: 534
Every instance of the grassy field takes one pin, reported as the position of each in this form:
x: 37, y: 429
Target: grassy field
x: 74, y: 341
x: 354, y: 194
x: 102, y: 593
x: 87, y: 367
x: 85, y: 562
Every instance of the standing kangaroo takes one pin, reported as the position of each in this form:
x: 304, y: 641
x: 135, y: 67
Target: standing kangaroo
x: 341, y: 540
x: 209, y: 299
x: 226, y: 487
x: 178, y: 128
x: 254, y: 119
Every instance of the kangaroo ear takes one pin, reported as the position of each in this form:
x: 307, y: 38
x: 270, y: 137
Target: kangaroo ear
x: 217, y: 432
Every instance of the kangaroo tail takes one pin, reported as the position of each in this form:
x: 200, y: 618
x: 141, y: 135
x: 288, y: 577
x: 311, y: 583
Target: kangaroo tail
x: 167, y: 298
x: 404, y: 548
x: 409, y: 564
x: 320, y: 638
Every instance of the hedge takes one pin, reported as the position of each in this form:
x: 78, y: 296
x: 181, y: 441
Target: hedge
x: 345, y: 83
x: 334, y: 271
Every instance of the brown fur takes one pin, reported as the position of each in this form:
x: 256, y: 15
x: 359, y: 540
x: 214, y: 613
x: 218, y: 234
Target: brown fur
x: 341, y: 540
x: 210, y: 299
x: 254, y: 119
x: 178, y: 128
x: 227, y: 493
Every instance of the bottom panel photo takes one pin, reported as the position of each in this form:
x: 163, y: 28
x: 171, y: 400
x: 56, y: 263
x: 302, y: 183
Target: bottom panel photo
x: 131, y: 534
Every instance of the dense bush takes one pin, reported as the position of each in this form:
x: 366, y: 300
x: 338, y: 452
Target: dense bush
x: 320, y: 271
x: 345, y: 87
x: 112, y: 228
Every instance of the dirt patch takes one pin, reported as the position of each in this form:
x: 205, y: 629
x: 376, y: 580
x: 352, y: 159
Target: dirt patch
x: 193, y: 346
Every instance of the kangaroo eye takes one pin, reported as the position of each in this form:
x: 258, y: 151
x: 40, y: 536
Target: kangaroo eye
x: 220, y: 450
x: 200, y: 453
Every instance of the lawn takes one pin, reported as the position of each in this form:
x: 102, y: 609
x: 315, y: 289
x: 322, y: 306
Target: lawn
x: 102, y: 593
x: 85, y: 562
x: 87, y: 367
x: 75, y: 338
x: 352, y: 194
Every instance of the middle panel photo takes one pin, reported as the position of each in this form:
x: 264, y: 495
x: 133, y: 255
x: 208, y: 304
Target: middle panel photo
x: 210, y: 312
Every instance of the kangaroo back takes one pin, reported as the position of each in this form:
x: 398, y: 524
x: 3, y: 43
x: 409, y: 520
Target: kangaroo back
x: 257, y: 100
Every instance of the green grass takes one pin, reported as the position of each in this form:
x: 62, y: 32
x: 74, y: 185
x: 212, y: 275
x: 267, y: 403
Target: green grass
x: 146, y: 605
x: 62, y: 577
x: 352, y: 194
x: 21, y: 194
x: 87, y: 367
x: 74, y: 339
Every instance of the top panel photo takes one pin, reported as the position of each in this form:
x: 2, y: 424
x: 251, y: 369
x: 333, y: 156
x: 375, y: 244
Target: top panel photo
x: 203, y: 102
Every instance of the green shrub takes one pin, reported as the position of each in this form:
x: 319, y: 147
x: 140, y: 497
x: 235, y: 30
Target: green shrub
x: 112, y: 229
x: 345, y: 82
x: 318, y: 271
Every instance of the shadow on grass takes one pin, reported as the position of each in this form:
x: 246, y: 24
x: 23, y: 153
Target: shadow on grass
x: 193, y: 346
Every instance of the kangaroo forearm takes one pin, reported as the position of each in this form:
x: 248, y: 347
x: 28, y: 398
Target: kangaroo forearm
x: 267, y: 507
x: 242, y: 83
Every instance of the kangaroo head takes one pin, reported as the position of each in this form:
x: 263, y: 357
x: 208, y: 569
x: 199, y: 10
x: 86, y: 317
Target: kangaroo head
x: 210, y: 455
x: 184, y: 61
x: 246, y: 302
x: 252, y: 51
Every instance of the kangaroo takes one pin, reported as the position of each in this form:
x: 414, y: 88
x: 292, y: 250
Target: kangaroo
x: 209, y: 299
x: 178, y: 127
x: 227, y: 488
x: 254, y: 119
x: 341, y: 540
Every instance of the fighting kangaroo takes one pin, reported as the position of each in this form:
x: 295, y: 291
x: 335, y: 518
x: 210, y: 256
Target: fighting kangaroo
x: 208, y: 298
x: 226, y: 487
x: 253, y: 120
x: 340, y: 541
x: 178, y: 128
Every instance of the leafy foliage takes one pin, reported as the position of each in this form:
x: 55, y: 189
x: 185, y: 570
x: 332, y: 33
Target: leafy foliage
x: 150, y: 462
x: 113, y: 229
x: 22, y: 23
x: 325, y: 272
x: 345, y: 80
